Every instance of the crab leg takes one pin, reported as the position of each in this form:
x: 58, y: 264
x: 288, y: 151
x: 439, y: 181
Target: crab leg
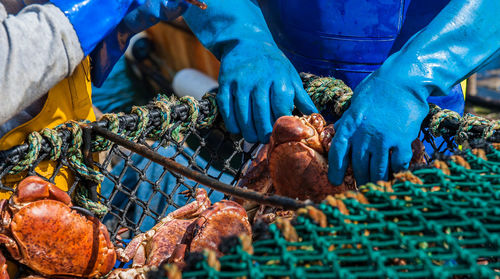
x: 11, y: 246
x: 190, y: 210
x: 125, y: 255
x: 3, y: 268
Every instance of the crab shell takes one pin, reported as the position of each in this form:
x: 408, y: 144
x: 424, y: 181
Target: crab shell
x: 294, y: 162
x: 223, y: 219
x: 193, y: 227
x: 40, y: 230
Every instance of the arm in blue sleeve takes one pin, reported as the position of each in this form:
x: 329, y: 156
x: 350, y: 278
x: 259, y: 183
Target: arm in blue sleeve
x: 257, y: 82
x: 389, y: 106
x: 463, y: 37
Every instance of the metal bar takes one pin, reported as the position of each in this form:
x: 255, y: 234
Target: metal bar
x: 272, y: 200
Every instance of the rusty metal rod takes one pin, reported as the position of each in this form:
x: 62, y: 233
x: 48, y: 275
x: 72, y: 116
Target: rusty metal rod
x: 272, y: 200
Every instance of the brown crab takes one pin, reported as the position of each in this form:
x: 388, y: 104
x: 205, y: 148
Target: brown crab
x: 191, y: 228
x: 41, y: 230
x: 294, y: 163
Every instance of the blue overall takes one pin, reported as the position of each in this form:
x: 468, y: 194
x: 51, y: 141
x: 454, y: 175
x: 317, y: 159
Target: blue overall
x: 349, y: 39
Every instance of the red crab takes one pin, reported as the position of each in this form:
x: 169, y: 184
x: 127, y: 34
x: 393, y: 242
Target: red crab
x: 294, y: 163
x: 193, y: 228
x: 39, y: 229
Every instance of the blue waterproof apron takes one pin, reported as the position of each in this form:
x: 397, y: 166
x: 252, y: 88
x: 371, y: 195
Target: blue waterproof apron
x: 349, y: 39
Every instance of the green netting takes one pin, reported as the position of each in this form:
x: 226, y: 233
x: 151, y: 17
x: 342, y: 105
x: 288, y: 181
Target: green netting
x: 448, y: 226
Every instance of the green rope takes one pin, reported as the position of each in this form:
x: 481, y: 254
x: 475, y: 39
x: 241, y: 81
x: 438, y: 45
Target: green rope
x: 34, y: 145
x: 466, y: 124
x: 439, y: 115
x: 143, y: 120
x: 493, y: 127
x: 75, y: 156
x: 164, y: 105
x: 81, y: 199
x: 325, y: 90
x: 209, y: 120
x: 55, y: 142
x: 113, y: 125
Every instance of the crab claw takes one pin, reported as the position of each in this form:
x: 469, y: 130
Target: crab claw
x: 34, y: 188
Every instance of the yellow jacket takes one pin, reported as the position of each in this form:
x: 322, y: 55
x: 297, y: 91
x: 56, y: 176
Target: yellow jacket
x: 70, y: 99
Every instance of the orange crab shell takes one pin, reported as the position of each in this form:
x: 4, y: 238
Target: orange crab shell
x: 62, y: 242
x: 52, y: 239
x: 223, y: 219
x: 165, y: 241
x: 297, y: 158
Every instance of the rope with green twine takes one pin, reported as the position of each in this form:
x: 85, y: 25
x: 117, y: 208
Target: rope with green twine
x: 466, y: 124
x: 325, y: 90
x: 34, y: 141
x: 75, y: 155
x: 439, y: 115
x: 55, y: 141
x: 81, y: 199
x: 113, y: 125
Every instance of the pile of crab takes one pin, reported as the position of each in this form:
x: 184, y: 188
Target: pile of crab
x: 42, y: 230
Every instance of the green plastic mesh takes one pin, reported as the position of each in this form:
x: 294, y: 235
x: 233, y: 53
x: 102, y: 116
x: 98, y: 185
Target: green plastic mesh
x: 449, y: 226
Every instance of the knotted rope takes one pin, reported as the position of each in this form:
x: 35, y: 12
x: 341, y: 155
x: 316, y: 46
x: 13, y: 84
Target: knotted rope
x: 326, y: 90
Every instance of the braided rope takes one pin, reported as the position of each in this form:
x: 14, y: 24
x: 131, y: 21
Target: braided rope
x: 55, y: 142
x: 490, y: 130
x: 439, y: 115
x: 324, y: 90
x: 75, y: 156
x: 81, y: 198
x: 164, y: 105
x: 100, y: 143
x: 469, y: 121
x: 34, y: 146
x: 209, y: 120
x: 143, y: 116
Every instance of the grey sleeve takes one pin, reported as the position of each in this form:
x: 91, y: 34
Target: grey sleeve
x: 38, y: 49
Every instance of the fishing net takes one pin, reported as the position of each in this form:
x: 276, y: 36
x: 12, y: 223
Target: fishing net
x: 128, y: 186
x: 439, y: 221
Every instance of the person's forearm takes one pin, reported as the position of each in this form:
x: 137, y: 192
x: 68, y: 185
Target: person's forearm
x: 462, y: 38
x: 226, y: 22
x: 38, y: 49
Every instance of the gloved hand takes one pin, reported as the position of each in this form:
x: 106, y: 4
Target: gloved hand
x: 94, y: 19
x: 107, y: 53
x: 389, y: 106
x: 257, y: 83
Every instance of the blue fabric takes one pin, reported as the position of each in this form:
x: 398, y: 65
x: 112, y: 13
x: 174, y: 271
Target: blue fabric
x: 114, y: 45
x: 257, y: 83
x: 94, y: 19
x: 145, y: 190
x: 118, y: 92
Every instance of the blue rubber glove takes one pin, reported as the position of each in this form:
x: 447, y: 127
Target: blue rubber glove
x: 94, y: 19
x: 257, y: 83
x: 389, y: 106
x: 114, y: 45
